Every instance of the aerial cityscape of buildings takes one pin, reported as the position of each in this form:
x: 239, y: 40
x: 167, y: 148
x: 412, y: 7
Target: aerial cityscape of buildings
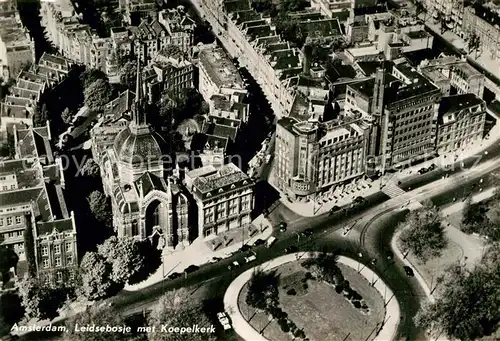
x: 136, y: 128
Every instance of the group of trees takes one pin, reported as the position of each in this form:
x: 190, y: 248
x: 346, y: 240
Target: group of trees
x: 8, y: 260
x: 482, y: 217
x: 175, y: 308
x: 118, y: 261
x: 41, y: 301
x: 467, y: 305
x: 423, y: 233
x: 11, y: 311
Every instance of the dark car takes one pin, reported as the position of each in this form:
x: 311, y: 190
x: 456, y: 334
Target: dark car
x: 174, y: 275
x: 291, y: 249
x: 359, y: 200
x: 191, y: 268
x: 409, y: 271
x: 259, y: 242
x: 334, y: 209
x: 282, y: 226
x: 307, y: 233
x: 245, y: 248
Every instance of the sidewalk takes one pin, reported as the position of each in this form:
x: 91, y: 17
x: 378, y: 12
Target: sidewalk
x: 247, y: 332
x: 200, y: 252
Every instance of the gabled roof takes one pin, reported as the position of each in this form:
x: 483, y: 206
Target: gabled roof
x: 149, y: 182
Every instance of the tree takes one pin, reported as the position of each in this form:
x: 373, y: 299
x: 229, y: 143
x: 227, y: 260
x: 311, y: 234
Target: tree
x: 467, y: 307
x: 90, y: 168
x: 96, y: 277
x: 124, y: 256
x: 98, y: 94
x: 8, y: 260
x: 91, y: 75
x: 128, y: 74
x: 41, y: 301
x: 104, y: 316
x: 175, y: 308
x: 29, y: 246
x: 67, y: 116
x: 100, y: 207
x: 263, y: 290
x: 423, y: 234
x: 11, y: 311
x: 482, y: 218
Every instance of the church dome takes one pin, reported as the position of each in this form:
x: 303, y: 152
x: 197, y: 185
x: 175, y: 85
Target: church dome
x: 136, y: 148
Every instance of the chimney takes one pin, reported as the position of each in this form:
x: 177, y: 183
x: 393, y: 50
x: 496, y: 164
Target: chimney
x: 307, y: 52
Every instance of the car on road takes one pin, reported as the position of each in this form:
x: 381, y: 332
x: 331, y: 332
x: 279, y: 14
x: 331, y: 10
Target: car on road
x: 250, y: 259
x: 389, y: 255
x: 359, y: 200
x: 409, y: 271
x: 334, y: 209
x: 174, y: 275
x: 224, y: 320
x: 214, y: 260
x: 291, y: 249
x: 373, y: 261
x: 245, y: 248
x: 307, y: 233
x: 233, y: 265
x: 191, y: 268
x: 282, y: 226
x: 270, y: 241
x: 259, y: 242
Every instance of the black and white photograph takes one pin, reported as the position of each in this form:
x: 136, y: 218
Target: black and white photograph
x: 249, y: 170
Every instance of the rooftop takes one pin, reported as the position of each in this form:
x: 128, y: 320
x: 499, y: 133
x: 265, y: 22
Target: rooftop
x: 458, y: 102
x: 226, y: 176
x: 486, y: 14
x: 220, y: 68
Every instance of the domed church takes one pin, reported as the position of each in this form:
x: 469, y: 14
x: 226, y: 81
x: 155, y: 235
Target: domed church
x: 147, y: 201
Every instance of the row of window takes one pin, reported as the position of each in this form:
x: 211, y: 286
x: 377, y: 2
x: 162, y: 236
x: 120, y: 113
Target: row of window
x: 10, y: 220
x: 57, y: 248
x: 57, y: 261
x: 6, y: 188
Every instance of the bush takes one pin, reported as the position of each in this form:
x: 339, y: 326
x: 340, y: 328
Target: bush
x: 292, y: 326
x: 305, y: 286
x: 282, y: 322
x: 299, y: 333
x: 339, y: 289
x: 308, y: 275
x: 356, y: 304
x: 356, y: 296
x: 291, y: 292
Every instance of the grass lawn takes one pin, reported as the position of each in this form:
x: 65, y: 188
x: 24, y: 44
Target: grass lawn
x: 323, y: 314
x: 434, y: 267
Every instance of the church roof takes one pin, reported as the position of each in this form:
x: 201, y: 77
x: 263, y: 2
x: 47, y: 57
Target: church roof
x: 149, y: 182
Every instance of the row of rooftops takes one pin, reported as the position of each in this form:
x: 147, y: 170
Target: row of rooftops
x: 12, y: 32
x: 30, y: 84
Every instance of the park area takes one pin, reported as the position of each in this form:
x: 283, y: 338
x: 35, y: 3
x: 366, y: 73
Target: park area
x: 313, y: 306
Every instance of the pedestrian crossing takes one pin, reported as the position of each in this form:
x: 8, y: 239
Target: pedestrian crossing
x: 392, y: 190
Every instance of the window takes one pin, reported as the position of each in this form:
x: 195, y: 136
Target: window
x: 58, y: 261
x: 9, y: 220
x: 68, y: 247
x: 69, y: 259
x: 1, y: 221
x: 57, y: 249
x: 45, y: 250
x: 45, y: 263
x: 59, y: 276
x: 18, y: 219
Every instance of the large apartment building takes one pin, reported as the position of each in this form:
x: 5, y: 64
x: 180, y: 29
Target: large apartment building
x: 32, y: 205
x: 224, y: 198
x: 485, y: 24
x: 312, y: 156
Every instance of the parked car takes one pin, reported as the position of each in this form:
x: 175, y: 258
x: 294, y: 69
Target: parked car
x: 359, y: 200
x: 409, y: 271
x: 270, y: 241
x: 334, y: 209
x: 174, y: 275
x: 233, y: 265
x: 214, y: 260
x: 245, y: 248
x: 282, y: 226
x: 259, y: 242
x: 291, y: 249
x: 389, y: 255
x: 191, y: 268
x: 250, y: 259
x: 224, y: 320
x: 373, y: 261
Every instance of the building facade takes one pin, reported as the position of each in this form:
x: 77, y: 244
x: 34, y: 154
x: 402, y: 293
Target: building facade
x: 484, y: 23
x: 224, y: 198
x: 461, y: 122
